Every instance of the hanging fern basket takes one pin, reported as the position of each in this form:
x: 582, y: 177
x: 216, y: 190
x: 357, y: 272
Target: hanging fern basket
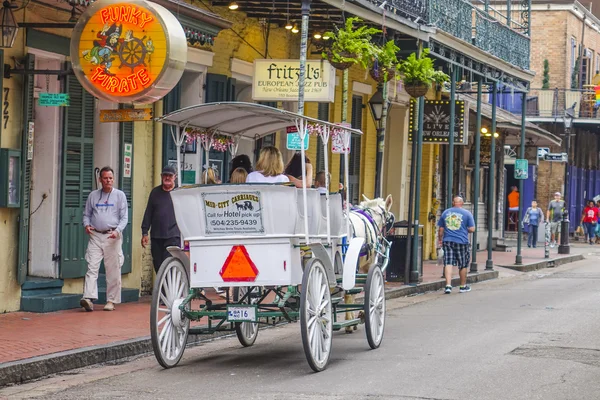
x: 342, y: 65
x: 378, y: 74
x: 416, y: 89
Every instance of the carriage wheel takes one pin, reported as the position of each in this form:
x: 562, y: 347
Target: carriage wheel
x: 246, y: 331
x: 168, y: 325
x: 374, y: 307
x: 316, y: 322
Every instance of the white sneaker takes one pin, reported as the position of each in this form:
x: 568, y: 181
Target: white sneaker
x: 552, y: 244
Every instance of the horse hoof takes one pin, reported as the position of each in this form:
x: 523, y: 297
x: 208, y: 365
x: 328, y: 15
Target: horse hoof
x: 361, y: 316
x: 355, y: 327
x: 349, y: 329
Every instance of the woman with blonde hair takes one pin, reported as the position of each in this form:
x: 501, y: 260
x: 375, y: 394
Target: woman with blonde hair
x: 209, y: 177
x: 269, y: 168
x: 238, y: 175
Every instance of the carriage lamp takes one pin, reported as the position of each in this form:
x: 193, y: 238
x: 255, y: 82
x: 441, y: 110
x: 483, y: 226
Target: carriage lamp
x: 9, y: 25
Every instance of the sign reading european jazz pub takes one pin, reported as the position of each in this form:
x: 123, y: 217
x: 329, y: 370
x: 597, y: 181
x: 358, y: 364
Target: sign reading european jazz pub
x: 130, y: 51
x: 277, y: 80
x: 436, y: 122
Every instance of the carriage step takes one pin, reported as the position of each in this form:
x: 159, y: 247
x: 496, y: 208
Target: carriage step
x: 343, y: 324
x: 354, y: 291
x: 336, y: 300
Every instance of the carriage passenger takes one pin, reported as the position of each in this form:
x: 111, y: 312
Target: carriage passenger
x: 321, y: 183
x: 209, y: 177
x: 240, y: 161
x: 238, y: 175
x: 293, y: 170
x: 269, y: 168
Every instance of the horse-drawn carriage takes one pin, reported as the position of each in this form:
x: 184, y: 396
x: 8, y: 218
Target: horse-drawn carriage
x: 280, y: 252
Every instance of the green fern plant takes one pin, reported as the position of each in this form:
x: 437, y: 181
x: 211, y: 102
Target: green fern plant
x: 420, y: 70
x: 351, y: 45
x: 385, y: 60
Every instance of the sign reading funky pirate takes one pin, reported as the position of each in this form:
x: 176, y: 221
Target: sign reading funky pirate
x: 233, y: 213
x: 277, y: 80
x: 130, y: 51
x: 436, y: 122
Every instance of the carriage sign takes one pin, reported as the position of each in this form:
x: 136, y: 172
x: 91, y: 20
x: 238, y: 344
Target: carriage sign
x: 233, y: 213
x: 131, y: 51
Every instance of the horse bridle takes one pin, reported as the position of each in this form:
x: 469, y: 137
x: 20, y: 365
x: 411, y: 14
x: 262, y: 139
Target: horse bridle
x: 387, y: 217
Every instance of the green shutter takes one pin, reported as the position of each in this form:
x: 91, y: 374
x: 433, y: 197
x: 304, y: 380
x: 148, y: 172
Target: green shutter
x: 171, y: 102
x: 218, y: 88
x: 126, y: 185
x: 230, y: 95
x: 77, y: 177
x: 355, y: 150
x: 28, y: 85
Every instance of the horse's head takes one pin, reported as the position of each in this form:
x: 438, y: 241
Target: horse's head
x: 379, y: 209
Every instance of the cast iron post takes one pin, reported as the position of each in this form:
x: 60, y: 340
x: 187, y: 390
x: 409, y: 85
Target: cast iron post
x: 564, y: 247
x: 489, y: 263
x: 303, y: 48
x: 477, y: 178
x: 519, y: 258
x: 414, y: 270
x: 450, y: 177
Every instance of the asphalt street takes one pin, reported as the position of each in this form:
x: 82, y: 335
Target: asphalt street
x: 530, y: 336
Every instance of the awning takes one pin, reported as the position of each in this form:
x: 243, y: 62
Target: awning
x: 237, y: 119
x: 508, y: 121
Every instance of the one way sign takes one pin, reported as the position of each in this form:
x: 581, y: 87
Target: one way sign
x: 556, y: 157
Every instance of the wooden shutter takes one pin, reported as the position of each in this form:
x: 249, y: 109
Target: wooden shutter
x: 171, y: 102
x: 77, y: 177
x: 28, y: 84
x: 126, y: 185
x: 355, y: 150
x: 217, y: 88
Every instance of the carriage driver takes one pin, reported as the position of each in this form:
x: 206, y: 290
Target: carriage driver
x: 104, y: 218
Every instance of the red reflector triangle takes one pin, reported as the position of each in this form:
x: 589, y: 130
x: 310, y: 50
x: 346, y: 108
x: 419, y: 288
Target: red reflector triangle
x: 238, y: 267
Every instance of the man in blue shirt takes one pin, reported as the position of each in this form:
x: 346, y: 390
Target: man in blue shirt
x: 455, y: 225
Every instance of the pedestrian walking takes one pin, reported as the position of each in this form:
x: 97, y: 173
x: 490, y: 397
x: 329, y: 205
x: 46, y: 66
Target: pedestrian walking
x: 159, y: 219
x: 455, y: 225
x: 589, y: 220
x: 555, y: 215
x: 104, y: 218
x: 534, y: 217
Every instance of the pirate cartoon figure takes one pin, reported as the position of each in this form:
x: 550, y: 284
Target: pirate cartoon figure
x: 106, y: 45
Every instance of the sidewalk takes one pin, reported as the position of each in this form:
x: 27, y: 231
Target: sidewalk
x: 35, y: 345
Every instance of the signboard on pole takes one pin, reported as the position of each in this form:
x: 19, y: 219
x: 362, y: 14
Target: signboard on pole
x: 54, y: 100
x: 277, y: 80
x: 521, y: 169
x: 436, y: 122
x: 542, y: 151
x: 294, y: 142
x: 337, y: 140
x: 126, y: 115
x: 127, y: 154
x: 556, y: 157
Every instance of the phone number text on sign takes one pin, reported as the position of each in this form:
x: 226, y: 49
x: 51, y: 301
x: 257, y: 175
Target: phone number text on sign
x: 228, y: 213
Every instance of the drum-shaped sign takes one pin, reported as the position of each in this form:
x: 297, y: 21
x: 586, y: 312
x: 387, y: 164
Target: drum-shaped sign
x: 128, y: 51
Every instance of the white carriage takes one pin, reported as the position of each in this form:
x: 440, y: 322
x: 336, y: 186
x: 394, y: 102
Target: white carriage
x: 280, y: 252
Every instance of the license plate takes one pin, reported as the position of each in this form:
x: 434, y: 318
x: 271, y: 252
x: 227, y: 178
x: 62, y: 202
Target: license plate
x: 241, y: 313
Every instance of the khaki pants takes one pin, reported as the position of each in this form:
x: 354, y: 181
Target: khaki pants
x: 101, y: 247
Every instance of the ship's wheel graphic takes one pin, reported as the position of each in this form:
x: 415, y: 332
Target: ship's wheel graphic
x: 133, y: 53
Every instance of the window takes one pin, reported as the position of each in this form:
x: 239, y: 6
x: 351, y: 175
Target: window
x: 355, y: 151
x: 573, y: 53
x: 597, y: 66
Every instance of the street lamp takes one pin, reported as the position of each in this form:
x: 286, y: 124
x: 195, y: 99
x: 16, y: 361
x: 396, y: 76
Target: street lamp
x: 568, y: 121
x: 8, y: 25
x: 376, y: 104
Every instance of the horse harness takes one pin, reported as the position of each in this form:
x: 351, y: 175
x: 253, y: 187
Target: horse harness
x: 369, y: 221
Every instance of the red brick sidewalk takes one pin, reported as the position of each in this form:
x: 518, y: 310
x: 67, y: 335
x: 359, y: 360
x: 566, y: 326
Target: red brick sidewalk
x: 25, y: 335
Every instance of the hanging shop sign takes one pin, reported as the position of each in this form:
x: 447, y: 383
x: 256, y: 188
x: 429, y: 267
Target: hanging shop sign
x: 131, y: 51
x: 54, y: 100
x: 436, y: 122
x: 277, y: 80
x: 126, y: 115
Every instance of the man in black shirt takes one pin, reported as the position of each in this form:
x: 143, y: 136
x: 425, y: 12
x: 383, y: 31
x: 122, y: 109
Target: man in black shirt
x: 160, y: 216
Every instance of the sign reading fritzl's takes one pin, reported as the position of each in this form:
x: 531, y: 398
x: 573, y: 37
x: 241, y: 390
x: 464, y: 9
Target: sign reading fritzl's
x: 436, y: 122
x: 233, y: 213
x: 277, y: 80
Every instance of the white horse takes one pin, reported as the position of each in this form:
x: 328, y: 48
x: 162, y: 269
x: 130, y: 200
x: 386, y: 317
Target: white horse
x: 370, y: 220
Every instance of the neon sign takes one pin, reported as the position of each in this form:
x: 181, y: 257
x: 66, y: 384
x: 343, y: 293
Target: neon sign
x: 128, y: 52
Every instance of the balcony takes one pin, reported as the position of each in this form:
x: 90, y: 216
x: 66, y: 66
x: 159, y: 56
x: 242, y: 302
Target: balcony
x: 476, y: 23
x: 552, y: 103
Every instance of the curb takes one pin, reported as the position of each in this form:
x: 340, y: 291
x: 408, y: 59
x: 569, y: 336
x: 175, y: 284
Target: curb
x: 20, y: 371
x: 550, y: 263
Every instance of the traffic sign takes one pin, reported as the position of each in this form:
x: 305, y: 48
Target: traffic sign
x: 556, y: 157
x: 521, y: 169
x: 542, y: 151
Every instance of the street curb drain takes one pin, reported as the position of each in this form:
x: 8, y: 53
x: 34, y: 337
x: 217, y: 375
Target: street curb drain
x: 21, y: 371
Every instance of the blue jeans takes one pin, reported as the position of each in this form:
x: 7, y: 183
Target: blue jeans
x: 590, y: 230
x: 532, y: 236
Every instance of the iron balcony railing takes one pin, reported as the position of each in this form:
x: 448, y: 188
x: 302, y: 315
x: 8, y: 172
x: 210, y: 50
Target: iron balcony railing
x: 473, y: 23
x: 551, y: 103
